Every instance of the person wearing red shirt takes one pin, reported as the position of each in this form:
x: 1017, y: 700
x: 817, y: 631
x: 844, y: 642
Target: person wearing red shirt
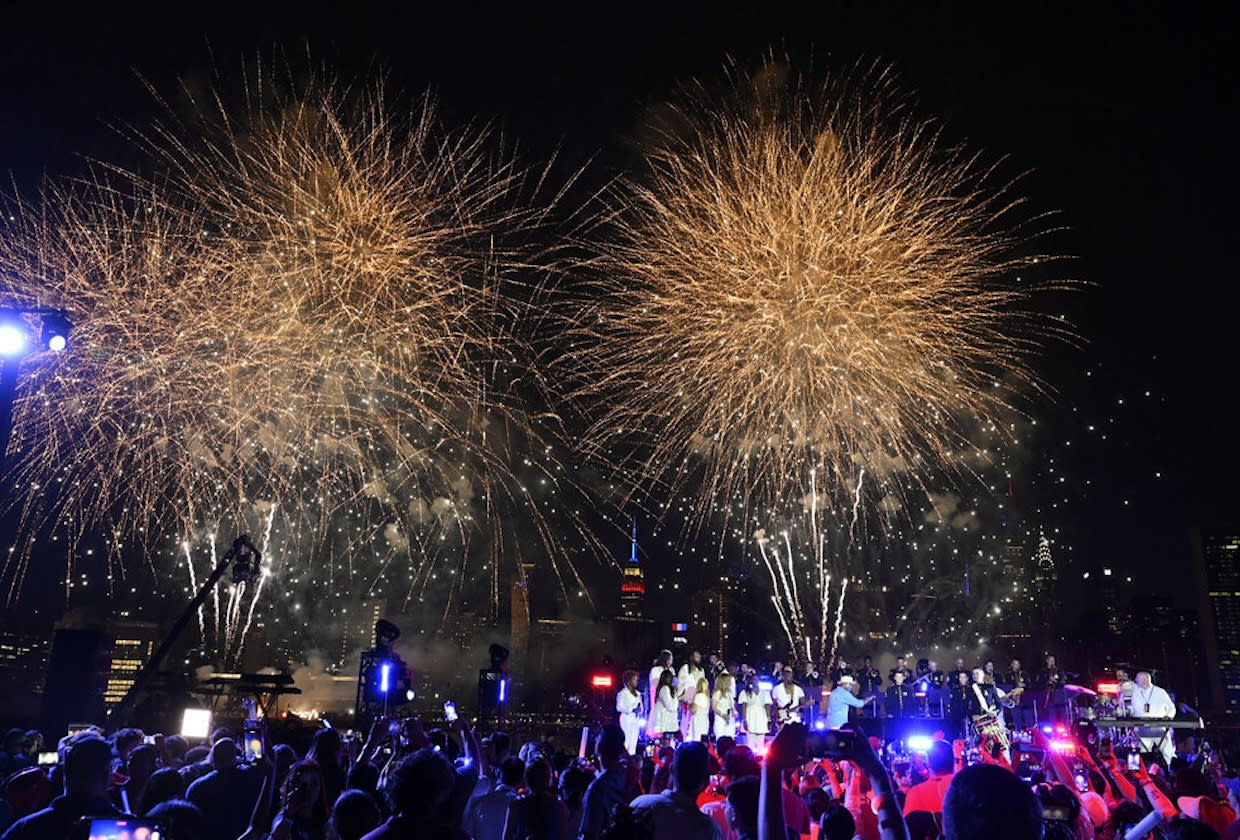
x: 928, y: 796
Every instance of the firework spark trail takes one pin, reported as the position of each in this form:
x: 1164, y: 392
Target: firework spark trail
x: 839, y: 619
x: 777, y: 598
x: 215, y: 591
x: 805, y: 277
x: 310, y: 302
x: 193, y: 585
x: 856, y: 509
x: 264, y: 572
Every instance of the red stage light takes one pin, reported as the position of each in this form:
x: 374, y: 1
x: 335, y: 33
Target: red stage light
x: 602, y: 681
x: 1108, y: 688
x: 1063, y: 747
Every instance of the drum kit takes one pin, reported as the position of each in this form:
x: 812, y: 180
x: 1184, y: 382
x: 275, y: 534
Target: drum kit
x: 1089, y: 716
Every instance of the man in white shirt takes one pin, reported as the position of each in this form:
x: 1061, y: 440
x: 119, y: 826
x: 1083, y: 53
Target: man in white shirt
x: 788, y: 698
x: 485, y: 815
x: 674, y: 814
x: 1151, y: 701
x: 686, y: 688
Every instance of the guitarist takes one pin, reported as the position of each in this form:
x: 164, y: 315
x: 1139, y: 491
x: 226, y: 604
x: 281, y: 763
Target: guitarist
x: 788, y: 698
x: 1014, y: 682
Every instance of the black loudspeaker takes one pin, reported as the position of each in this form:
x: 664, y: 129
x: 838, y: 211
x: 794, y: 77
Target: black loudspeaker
x: 77, y: 674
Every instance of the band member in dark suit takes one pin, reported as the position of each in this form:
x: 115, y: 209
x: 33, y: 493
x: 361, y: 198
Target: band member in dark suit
x: 901, y: 701
x: 900, y: 666
x: 958, y: 710
x: 870, y: 683
x: 1050, y: 696
x: 983, y: 702
x: 1016, y: 683
x: 953, y: 676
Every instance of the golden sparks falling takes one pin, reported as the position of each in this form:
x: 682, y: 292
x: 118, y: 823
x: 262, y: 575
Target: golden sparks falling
x: 310, y: 305
x: 805, y: 277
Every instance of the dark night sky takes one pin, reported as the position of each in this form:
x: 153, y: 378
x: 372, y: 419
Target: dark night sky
x: 1122, y: 119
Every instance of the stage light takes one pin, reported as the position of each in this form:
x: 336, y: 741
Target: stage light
x: 503, y: 689
x: 13, y: 338
x: 1048, y: 729
x: 1063, y: 747
x: 919, y: 743
x: 55, y: 331
x: 196, y: 723
x: 1108, y: 688
x: 765, y: 685
x: 820, y: 725
x: 409, y: 695
x: 385, y: 677
x: 602, y: 681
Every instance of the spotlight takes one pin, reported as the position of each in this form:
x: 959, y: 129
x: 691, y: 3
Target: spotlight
x: 13, y: 338
x: 820, y: 725
x: 55, y: 332
x: 602, y: 681
x: 919, y: 743
x: 196, y: 723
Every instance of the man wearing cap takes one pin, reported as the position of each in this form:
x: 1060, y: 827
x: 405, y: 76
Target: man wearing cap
x: 88, y: 770
x: 841, y: 699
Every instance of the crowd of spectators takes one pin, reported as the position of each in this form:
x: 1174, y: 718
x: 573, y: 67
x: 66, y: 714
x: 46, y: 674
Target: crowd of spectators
x: 405, y: 781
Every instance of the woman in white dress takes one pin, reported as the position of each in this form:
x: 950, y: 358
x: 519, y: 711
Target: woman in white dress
x: 665, y: 720
x: 699, y: 708
x: 724, y: 703
x: 629, y: 707
x: 662, y: 662
x: 756, y: 704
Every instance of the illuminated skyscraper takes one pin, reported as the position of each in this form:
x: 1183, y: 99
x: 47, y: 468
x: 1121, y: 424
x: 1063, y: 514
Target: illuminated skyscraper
x: 1216, y: 558
x: 632, y: 583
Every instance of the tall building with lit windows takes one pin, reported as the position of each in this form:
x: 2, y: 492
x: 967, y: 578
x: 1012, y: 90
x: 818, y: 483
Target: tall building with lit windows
x: 133, y: 642
x: 1216, y: 561
x: 94, y: 661
x: 632, y: 583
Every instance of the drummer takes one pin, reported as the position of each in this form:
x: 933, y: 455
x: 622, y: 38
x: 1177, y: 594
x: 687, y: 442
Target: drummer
x: 984, y: 704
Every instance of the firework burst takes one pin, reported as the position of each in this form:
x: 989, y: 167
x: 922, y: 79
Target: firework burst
x: 806, y: 278
x: 308, y: 312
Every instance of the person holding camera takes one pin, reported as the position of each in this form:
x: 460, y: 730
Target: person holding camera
x: 788, y: 751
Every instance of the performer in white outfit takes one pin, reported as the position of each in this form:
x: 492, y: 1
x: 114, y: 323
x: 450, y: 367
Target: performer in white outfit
x: 662, y: 662
x: 629, y: 707
x: 699, y: 721
x: 788, y: 698
x: 756, y: 704
x: 723, y: 702
x: 666, y: 723
x: 686, y: 687
x: 1151, y: 701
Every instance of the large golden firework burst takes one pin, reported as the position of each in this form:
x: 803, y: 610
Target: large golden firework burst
x: 302, y: 304
x: 805, y: 277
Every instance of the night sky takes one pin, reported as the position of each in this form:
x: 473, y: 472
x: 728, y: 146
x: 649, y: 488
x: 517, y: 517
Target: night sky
x: 1120, y: 120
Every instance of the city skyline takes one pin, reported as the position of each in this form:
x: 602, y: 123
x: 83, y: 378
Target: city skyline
x: 1114, y: 468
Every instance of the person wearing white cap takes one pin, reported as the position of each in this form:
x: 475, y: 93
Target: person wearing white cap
x: 841, y: 700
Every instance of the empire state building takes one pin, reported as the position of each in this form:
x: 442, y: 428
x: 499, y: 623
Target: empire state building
x: 632, y: 583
